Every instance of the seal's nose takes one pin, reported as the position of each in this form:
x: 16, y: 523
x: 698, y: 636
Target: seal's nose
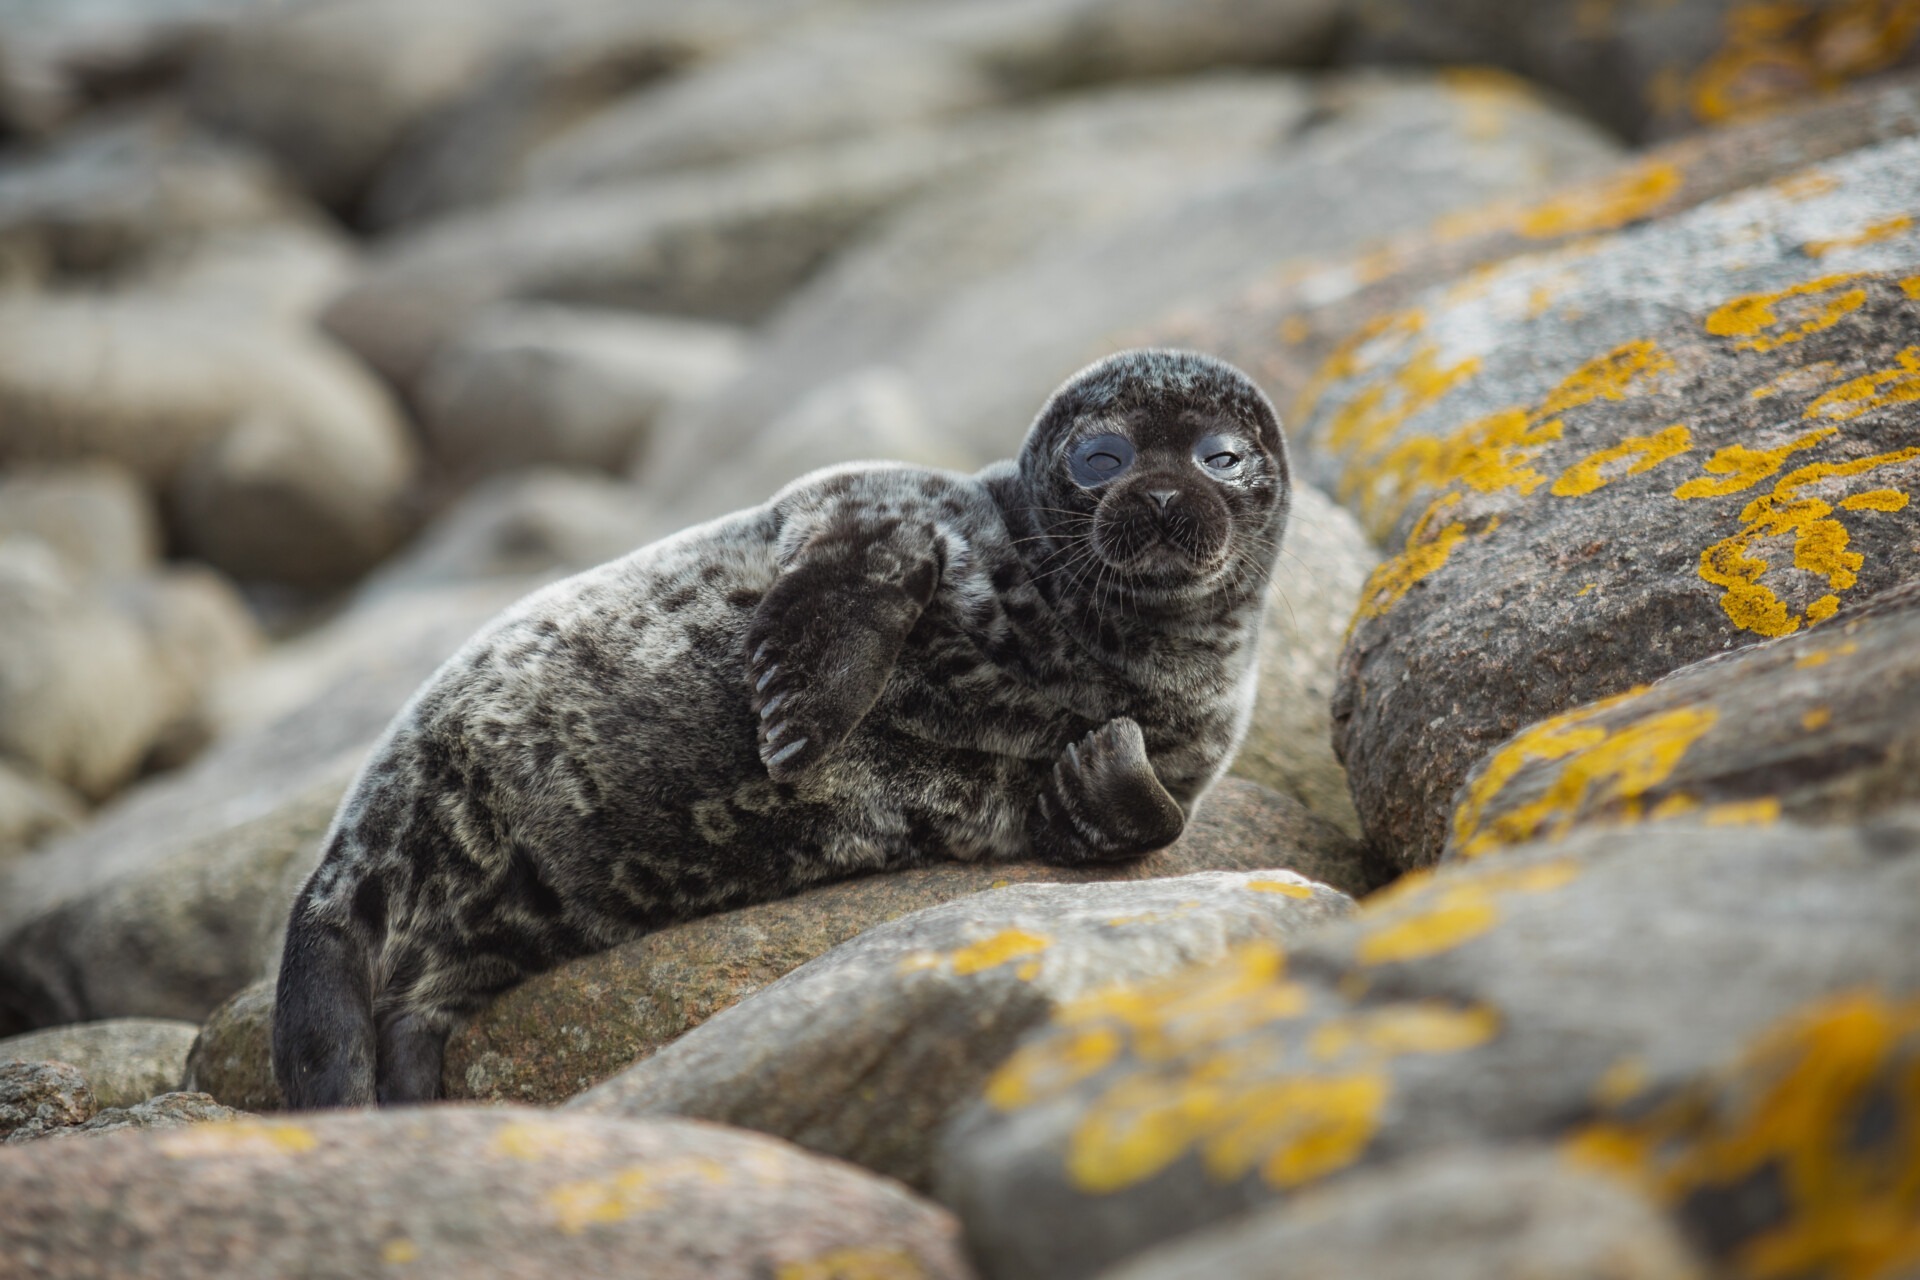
x: 1163, y: 496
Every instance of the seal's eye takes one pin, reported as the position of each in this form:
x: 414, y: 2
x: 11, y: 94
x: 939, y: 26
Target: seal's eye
x: 1221, y: 455
x: 1096, y: 461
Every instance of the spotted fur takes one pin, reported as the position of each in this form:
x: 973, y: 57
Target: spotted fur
x: 881, y: 667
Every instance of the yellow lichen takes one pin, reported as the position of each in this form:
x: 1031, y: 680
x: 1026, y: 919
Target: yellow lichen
x: 399, y: 1251
x: 1625, y: 1080
x: 1554, y: 738
x: 856, y: 1263
x: 1758, y: 812
x: 1439, y: 915
x: 1778, y: 50
x: 1882, y: 389
x: 1743, y: 468
x: 1818, y: 718
x: 1285, y: 888
x: 1875, y: 500
x: 1641, y: 453
x: 1911, y: 286
x: 1002, y: 948
x: 1886, y: 229
x: 616, y: 1197
x: 240, y: 1138
x: 1604, y: 205
x: 1827, y: 302
x: 1425, y: 553
x: 540, y: 1140
x: 1820, y: 1113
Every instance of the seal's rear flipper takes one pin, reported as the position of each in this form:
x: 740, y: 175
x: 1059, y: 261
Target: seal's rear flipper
x: 323, y: 1037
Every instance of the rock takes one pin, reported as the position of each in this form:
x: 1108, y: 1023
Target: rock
x: 1324, y: 563
x: 523, y: 526
x: 917, y: 64
x: 1819, y: 727
x: 95, y: 204
x: 1584, y: 463
x: 1457, y: 1215
x: 166, y: 1111
x: 1652, y: 70
x: 125, y: 1060
x: 79, y: 701
x: 867, y: 1051
x: 34, y: 808
x: 281, y: 460
x: 39, y: 1096
x: 285, y: 272
x: 723, y: 244
x: 95, y: 515
x: 1045, y: 274
x: 201, y: 632
x: 1314, y: 310
x: 166, y: 904
x: 562, y: 1031
x: 525, y: 384
x: 515, y: 1192
x: 1504, y: 1001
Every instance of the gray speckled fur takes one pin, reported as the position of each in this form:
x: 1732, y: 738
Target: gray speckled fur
x: 592, y: 765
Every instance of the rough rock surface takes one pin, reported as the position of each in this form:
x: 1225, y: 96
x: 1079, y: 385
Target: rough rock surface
x: 1651, y: 67
x: 867, y: 1051
x: 513, y: 1192
x: 1823, y: 726
x: 1324, y: 564
x: 126, y: 1060
x: 1505, y: 1000
x: 163, y: 1111
x: 1575, y: 446
x: 36, y: 1097
x: 1461, y: 1214
x: 562, y: 1031
x: 526, y: 384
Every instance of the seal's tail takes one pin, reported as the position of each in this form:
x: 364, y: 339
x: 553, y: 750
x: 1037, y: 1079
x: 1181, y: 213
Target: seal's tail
x: 323, y: 1033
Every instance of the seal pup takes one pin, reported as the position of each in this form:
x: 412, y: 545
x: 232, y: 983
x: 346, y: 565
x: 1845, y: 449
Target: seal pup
x: 882, y: 666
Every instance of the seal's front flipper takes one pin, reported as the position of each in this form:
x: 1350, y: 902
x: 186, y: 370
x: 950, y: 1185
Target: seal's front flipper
x: 1103, y: 802
x: 826, y: 637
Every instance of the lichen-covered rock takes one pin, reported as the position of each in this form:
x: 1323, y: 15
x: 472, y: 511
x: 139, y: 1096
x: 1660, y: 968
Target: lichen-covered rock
x: 95, y: 515
x: 1594, y: 466
x: 1470, y: 1214
x: 36, y: 1097
x: 525, y: 384
x: 1028, y: 273
x: 1501, y: 1001
x: 867, y: 1051
x: 460, y: 1191
x: 125, y: 1060
x: 565, y: 1030
x: 173, y: 1110
x: 280, y: 459
x: 1652, y: 67
x: 1823, y: 726
x: 1323, y: 566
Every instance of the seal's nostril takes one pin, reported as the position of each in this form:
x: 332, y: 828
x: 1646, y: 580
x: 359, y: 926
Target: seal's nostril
x: 1163, y: 496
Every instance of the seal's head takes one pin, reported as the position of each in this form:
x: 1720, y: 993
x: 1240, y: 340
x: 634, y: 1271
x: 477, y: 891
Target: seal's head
x: 1164, y: 469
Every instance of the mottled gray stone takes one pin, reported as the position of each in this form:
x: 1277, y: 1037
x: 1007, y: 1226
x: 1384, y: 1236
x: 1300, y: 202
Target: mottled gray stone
x: 1513, y: 999
x: 865, y: 1052
x: 126, y: 1060
x: 467, y: 1191
x: 36, y: 1097
x: 163, y: 1111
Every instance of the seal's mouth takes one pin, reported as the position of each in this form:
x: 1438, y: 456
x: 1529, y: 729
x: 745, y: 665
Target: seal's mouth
x: 1161, y: 539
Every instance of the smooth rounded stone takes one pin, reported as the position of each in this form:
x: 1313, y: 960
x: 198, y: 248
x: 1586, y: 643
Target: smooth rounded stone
x: 1651, y: 69
x: 286, y: 272
x: 1471, y: 1214
x: 901, y: 64
x: 1292, y: 327
x: 174, y: 1110
x: 1819, y: 727
x: 514, y: 1192
x: 79, y: 695
x: 281, y: 459
x: 586, y: 58
x: 39, y: 1096
x: 562, y: 1031
x: 166, y: 902
x: 1324, y: 563
x: 1010, y: 310
x: 97, y: 201
x: 201, y: 632
x: 522, y: 525
x: 723, y: 244
x: 330, y: 88
x: 33, y: 809
x: 126, y: 1060
x: 1498, y: 1002
x: 95, y: 515
x: 865, y: 1052
x: 1595, y: 466
x: 525, y: 384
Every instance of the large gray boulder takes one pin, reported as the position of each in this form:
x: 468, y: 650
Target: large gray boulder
x: 867, y: 1051
x: 1584, y: 990
x: 514, y: 1192
x: 125, y: 1060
